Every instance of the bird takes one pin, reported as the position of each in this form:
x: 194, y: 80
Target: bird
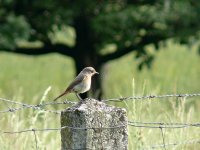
x: 81, y: 83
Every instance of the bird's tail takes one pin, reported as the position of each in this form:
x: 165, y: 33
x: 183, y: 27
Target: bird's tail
x: 61, y: 95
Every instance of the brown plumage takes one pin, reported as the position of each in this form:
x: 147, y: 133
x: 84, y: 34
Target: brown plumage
x: 81, y: 83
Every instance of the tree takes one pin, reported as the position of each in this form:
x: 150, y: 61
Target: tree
x: 129, y: 25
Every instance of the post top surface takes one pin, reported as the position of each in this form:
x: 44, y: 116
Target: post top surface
x: 90, y: 104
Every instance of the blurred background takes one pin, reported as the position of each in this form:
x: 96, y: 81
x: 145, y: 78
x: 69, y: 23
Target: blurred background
x: 139, y: 47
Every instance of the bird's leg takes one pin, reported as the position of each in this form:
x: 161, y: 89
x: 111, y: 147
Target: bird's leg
x: 78, y: 96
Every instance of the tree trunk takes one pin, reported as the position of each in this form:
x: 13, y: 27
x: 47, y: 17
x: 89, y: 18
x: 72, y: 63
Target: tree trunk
x: 86, y: 54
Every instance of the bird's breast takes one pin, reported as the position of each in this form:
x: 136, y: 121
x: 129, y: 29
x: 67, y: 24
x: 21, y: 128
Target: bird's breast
x: 83, y: 86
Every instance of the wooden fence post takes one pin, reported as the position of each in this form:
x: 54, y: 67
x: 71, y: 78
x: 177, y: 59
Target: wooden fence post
x: 96, y: 126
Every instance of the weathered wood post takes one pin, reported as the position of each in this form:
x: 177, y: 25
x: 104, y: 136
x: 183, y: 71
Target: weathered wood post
x: 96, y: 126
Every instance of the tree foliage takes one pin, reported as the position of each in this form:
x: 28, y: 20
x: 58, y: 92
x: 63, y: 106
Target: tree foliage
x: 129, y: 25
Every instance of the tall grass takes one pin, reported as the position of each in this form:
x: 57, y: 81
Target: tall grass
x: 175, y: 70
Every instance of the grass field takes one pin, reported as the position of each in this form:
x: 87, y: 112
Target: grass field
x: 175, y: 70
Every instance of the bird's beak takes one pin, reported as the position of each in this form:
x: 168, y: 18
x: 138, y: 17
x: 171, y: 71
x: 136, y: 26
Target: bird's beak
x: 96, y: 73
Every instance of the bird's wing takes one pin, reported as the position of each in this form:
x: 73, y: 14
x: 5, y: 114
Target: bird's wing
x: 76, y: 81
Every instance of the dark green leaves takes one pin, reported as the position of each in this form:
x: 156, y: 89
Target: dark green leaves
x: 13, y: 30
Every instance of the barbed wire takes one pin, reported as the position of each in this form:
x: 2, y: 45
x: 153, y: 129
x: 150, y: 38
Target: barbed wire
x: 61, y: 128
x: 38, y: 105
x: 164, y: 145
x: 162, y: 125
x: 186, y: 142
x: 150, y: 97
x: 56, y: 129
x: 42, y: 105
x: 35, y: 107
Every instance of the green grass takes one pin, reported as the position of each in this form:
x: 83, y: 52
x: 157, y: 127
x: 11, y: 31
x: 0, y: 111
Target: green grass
x: 175, y: 70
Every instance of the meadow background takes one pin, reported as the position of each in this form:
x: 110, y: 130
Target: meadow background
x: 175, y: 70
